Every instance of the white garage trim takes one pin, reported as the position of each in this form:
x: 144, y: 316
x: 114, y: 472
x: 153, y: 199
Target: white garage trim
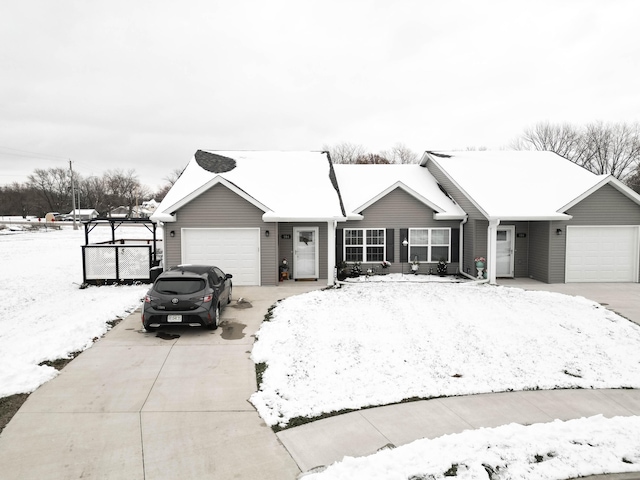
x: 602, y: 253
x: 234, y: 250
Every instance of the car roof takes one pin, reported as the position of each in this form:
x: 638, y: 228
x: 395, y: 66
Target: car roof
x: 200, y: 269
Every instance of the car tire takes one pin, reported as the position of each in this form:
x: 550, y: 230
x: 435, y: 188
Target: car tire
x: 229, y: 299
x: 216, y: 319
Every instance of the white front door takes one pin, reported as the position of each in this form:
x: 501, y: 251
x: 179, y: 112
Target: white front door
x: 305, y: 253
x: 504, y: 251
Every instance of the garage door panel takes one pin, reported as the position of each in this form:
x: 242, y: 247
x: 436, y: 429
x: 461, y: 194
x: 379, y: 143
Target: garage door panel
x: 602, y: 254
x: 235, y: 251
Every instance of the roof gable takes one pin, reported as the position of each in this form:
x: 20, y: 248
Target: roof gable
x: 364, y: 185
x: 516, y: 185
x: 284, y: 185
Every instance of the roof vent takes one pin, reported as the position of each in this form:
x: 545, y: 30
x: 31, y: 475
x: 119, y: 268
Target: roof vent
x: 214, y: 163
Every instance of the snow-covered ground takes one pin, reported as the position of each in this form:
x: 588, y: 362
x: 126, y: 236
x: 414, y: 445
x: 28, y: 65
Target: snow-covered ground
x: 374, y: 342
x: 547, y: 451
x: 44, y: 315
x: 379, y: 343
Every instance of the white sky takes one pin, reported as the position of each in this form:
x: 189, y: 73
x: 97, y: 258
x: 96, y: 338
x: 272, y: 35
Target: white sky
x: 144, y: 84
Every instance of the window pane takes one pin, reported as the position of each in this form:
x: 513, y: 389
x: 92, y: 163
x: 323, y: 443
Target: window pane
x: 439, y: 252
x: 439, y: 237
x: 375, y: 237
x: 419, y: 236
x: 353, y: 254
x: 353, y: 237
x: 420, y: 252
x: 375, y: 254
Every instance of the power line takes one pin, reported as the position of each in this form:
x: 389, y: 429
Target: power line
x: 33, y: 154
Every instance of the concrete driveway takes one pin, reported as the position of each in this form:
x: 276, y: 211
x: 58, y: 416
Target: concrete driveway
x: 139, y: 406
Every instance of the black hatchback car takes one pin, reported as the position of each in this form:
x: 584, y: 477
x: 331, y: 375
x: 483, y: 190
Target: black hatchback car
x: 187, y: 295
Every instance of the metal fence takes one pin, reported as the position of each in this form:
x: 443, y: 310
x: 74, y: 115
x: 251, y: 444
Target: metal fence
x: 104, y: 264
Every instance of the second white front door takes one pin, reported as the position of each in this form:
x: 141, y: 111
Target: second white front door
x: 504, y: 251
x: 305, y: 253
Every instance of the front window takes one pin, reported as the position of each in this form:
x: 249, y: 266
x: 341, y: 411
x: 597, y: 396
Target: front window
x: 429, y: 244
x: 364, y: 245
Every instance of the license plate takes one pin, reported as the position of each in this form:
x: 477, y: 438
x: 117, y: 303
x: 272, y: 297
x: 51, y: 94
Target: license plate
x: 174, y: 318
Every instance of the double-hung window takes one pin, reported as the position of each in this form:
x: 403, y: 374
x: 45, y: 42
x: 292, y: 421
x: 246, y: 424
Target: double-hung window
x: 364, y: 244
x: 430, y: 244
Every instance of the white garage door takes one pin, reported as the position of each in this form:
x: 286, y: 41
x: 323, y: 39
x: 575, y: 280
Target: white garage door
x: 234, y: 250
x: 602, y: 254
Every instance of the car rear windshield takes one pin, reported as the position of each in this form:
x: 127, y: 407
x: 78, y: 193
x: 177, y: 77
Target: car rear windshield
x: 179, y: 286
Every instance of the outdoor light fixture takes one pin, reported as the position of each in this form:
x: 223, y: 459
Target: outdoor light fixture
x: 405, y: 242
x: 558, y: 231
x: 266, y: 233
x: 172, y: 233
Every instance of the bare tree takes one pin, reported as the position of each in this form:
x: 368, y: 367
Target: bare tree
x: 400, y: 153
x: 611, y: 148
x: 93, y: 193
x: 372, y: 158
x: 345, y: 152
x: 125, y: 189
x: 53, y: 187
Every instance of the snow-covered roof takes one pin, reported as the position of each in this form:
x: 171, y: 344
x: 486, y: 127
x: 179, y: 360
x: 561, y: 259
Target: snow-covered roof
x: 363, y: 185
x: 517, y: 185
x: 84, y: 211
x: 287, y: 186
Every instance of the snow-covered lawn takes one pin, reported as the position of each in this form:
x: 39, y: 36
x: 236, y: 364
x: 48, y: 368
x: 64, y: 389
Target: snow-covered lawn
x: 44, y: 315
x: 379, y: 343
x: 385, y: 339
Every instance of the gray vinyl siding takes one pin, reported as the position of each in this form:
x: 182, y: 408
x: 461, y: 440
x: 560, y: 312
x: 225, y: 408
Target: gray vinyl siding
x: 472, y: 230
x: 606, y: 206
x: 398, y: 210
x: 539, y: 255
x: 219, y: 207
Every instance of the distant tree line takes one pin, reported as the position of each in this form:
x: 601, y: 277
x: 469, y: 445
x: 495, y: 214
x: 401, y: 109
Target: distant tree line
x: 602, y: 148
x: 50, y: 190
x: 351, y: 153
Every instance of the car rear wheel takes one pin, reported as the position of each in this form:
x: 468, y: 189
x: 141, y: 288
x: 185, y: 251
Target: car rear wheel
x: 216, y: 319
x: 229, y: 299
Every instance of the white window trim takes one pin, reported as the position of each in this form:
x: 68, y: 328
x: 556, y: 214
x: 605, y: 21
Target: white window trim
x: 429, y: 245
x: 364, y: 244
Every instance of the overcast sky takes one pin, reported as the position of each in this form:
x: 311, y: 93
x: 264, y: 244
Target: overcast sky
x: 144, y: 84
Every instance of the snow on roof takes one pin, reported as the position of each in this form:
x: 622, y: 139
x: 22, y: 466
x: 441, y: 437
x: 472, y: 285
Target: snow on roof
x: 361, y: 185
x: 285, y: 185
x: 516, y: 185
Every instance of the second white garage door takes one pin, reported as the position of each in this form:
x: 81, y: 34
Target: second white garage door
x: 602, y: 254
x: 234, y: 250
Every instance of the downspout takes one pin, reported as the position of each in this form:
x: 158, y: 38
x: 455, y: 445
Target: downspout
x: 461, y: 248
x: 331, y: 253
x: 492, y: 235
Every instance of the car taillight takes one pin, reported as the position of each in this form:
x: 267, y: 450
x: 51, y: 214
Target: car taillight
x: 148, y: 298
x: 207, y: 298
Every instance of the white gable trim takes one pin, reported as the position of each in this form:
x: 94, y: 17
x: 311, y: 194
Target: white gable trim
x: 410, y: 191
x: 428, y: 158
x: 609, y: 179
x: 215, y: 181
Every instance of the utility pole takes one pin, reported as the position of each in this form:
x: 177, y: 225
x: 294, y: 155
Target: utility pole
x: 73, y: 197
